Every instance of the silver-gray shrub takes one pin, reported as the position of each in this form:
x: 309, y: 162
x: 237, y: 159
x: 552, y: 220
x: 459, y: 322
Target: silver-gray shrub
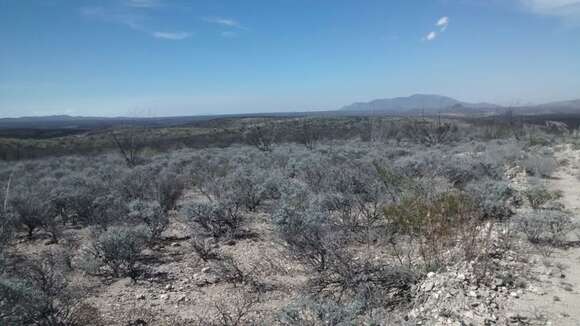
x: 39, y: 293
x: 32, y: 207
x: 315, y: 312
x: 151, y: 214
x: 492, y: 197
x: 215, y: 219
x: 117, y: 250
x: 304, y: 225
x: 547, y: 227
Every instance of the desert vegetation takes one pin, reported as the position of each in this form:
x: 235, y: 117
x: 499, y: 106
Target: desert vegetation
x: 296, y: 223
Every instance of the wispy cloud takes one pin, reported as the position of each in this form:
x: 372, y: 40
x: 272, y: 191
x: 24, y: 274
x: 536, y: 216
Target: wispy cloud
x: 174, y: 36
x: 142, y: 3
x: 132, y: 17
x: 569, y: 10
x: 442, y: 24
x: 227, y: 22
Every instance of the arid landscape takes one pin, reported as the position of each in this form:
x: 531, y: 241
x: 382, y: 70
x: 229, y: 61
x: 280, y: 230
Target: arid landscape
x: 289, y: 163
x: 410, y: 221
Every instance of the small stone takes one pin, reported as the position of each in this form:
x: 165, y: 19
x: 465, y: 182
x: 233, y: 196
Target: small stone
x: 430, y: 275
x: 428, y: 286
x: 169, y: 287
x: 205, y: 269
x: 164, y: 297
x: 140, y: 296
x: 475, y: 304
x: 175, y: 244
x: 514, y: 295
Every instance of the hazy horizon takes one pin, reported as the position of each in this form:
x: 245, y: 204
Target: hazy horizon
x: 173, y: 58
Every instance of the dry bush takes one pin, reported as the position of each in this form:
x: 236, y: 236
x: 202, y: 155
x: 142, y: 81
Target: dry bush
x: 117, y: 249
x: 262, y: 137
x: 434, y: 226
x: 236, y: 310
x: 169, y: 187
x: 316, y: 312
x: 538, y: 196
x: 151, y: 214
x: 305, y: 228
x: 215, y: 219
x: 40, y: 294
x: 545, y: 227
x: 204, y: 248
x: 373, y: 284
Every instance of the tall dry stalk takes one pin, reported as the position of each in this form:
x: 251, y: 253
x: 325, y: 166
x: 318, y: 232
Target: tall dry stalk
x: 5, y: 206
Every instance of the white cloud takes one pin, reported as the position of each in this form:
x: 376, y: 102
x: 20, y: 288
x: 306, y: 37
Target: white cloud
x: 223, y: 21
x: 442, y: 23
x: 174, y: 36
x: 431, y: 36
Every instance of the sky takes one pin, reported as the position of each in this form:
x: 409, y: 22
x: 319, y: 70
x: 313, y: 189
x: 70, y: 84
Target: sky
x: 175, y: 57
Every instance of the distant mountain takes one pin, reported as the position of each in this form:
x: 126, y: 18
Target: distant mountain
x: 572, y: 106
x: 420, y: 103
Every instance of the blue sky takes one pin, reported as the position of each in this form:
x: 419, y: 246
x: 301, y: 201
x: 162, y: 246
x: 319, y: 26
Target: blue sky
x: 172, y: 57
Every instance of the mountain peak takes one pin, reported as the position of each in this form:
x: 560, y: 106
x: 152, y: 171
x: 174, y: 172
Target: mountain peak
x: 429, y: 103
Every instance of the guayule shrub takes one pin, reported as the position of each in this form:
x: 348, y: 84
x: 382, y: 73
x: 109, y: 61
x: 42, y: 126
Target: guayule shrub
x: 543, y: 226
x: 117, y: 249
x: 40, y: 294
x: 492, y: 197
x: 304, y: 225
x: 74, y: 194
x: 215, y: 219
x: 539, y: 165
x: 151, y: 214
x: 168, y: 189
x: 33, y: 209
x: 314, y: 312
x: 108, y: 210
x: 538, y: 196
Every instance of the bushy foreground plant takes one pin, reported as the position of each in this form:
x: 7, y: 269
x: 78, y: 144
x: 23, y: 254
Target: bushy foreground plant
x: 117, y: 249
x: 545, y: 227
x: 304, y: 226
x: 151, y: 214
x: 40, y: 294
x: 433, y: 226
x: 34, y: 210
x: 538, y: 195
x: 215, y: 219
x: 316, y: 312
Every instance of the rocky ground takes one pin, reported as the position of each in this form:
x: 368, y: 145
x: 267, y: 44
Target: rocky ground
x: 545, y: 286
x: 557, y: 277
x: 517, y: 286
